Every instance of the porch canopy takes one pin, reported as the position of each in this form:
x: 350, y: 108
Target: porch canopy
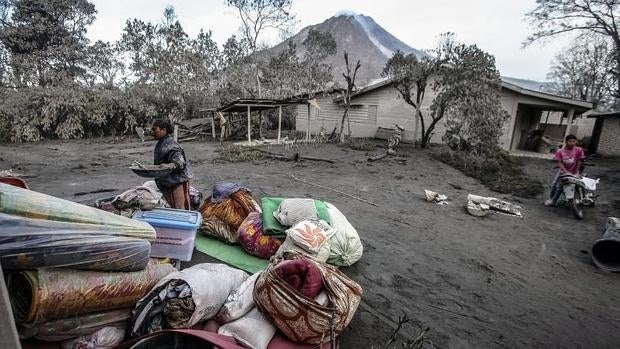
x: 248, y: 105
x: 533, y: 110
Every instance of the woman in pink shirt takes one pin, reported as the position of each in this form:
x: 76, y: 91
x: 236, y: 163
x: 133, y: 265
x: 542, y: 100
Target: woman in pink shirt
x: 569, y: 160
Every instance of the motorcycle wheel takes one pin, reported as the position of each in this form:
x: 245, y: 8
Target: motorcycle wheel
x: 576, y: 205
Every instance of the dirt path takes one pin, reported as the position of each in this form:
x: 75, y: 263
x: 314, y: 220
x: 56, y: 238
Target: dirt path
x: 475, y: 282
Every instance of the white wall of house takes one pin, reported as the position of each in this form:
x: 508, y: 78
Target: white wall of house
x: 383, y: 107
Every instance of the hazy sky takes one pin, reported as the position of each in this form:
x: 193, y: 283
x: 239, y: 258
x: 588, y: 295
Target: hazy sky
x: 496, y: 26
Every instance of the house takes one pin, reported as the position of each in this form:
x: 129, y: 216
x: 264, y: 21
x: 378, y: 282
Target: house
x: 606, y: 134
x: 379, y: 106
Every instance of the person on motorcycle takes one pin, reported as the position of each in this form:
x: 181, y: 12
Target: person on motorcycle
x: 569, y: 160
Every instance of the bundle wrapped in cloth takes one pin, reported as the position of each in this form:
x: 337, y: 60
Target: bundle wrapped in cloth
x: 345, y: 244
x: 225, y: 210
x: 280, y: 213
x: 38, y: 230
x: 285, y: 292
x: 184, y: 298
x: 253, y: 240
x: 310, y: 238
x: 241, y: 319
x: 47, y: 294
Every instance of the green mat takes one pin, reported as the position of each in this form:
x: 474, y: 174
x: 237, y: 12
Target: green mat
x: 230, y: 254
x: 272, y: 227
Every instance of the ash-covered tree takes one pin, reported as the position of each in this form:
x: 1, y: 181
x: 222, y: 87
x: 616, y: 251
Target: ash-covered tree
x: 552, y: 18
x: 349, y: 77
x: 316, y: 73
x: 178, y: 72
x: 288, y: 74
x: 46, y: 40
x: 257, y: 16
x: 467, y: 86
x: 410, y: 76
x: 260, y: 15
x: 584, y: 71
x: 469, y: 96
x: 104, y: 64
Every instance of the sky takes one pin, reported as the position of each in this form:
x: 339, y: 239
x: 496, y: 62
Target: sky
x: 496, y: 26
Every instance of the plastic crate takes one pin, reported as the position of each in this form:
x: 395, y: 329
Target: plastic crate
x: 176, y: 231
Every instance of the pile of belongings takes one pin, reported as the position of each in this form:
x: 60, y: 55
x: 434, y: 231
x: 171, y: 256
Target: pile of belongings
x: 297, y: 301
x: 73, y: 272
x: 116, y: 295
x: 313, y: 227
x: 144, y: 197
x: 480, y: 206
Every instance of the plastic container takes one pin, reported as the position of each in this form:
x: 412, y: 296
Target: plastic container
x: 176, y: 231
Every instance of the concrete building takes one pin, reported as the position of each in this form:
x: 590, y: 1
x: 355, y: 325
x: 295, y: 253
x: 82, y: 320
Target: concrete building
x: 606, y: 134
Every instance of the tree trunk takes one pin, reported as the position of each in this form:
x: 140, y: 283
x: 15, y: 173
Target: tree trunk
x: 344, y: 116
x: 424, y: 139
x: 260, y: 124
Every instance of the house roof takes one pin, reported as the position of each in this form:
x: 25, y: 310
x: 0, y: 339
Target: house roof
x: 526, y: 90
x: 511, y: 84
x: 604, y: 114
x: 255, y: 104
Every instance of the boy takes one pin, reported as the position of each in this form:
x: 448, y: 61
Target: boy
x: 174, y: 186
x: 569, y: 160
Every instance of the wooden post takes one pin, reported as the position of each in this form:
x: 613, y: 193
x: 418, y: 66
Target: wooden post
x: 279, y: 123
x: 308, y: 126
x: 249, y: 128
x: 569, y: 120
x: 176, y: 133
x: 213, y: 125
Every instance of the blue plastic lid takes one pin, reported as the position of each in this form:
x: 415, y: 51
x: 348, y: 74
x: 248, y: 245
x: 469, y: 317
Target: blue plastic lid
x: 170, y: 218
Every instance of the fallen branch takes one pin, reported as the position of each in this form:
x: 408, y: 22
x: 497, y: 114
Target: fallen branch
x: 401, y: 321
x: 378, y: 157
x: 296, y: 157
x: 82, y: 193
x: 335, y: 190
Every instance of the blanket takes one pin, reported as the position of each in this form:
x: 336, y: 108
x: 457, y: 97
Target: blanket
x: 46, y: 294
x: 303, y: 275
x: 253, y: 240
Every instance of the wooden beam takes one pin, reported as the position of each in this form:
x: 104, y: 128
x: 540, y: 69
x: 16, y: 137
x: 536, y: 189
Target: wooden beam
x: 279, y: 123
x: 249, y: 127
x: 213, y: 125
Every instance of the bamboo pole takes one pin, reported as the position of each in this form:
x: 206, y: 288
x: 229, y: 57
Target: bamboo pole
x: 279, y: 123
x: 176, y: 133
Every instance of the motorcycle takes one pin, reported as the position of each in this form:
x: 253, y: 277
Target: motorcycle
x: 579, y: 192
x: 395, y: 139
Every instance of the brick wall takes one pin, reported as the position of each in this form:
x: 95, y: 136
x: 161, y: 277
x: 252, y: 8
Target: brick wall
x: 609, y: 143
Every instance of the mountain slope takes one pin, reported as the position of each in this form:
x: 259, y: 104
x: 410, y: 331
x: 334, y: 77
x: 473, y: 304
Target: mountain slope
x: 361, y: 37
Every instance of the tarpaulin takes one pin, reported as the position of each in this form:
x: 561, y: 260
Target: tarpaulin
x: 30, y: 204
x: 27, y: 243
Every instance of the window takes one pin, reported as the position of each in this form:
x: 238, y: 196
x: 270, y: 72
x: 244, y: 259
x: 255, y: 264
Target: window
x: 372, y: 114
